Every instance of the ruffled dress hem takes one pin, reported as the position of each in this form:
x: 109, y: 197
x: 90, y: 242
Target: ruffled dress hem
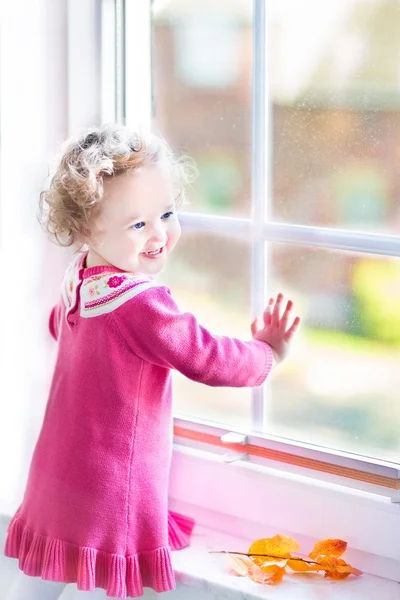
x: 121, y: 576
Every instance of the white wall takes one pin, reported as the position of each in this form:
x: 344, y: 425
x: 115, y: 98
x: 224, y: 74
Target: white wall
x: 38, y: 69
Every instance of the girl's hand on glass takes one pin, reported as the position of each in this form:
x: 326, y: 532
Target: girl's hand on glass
x: 275, y: 329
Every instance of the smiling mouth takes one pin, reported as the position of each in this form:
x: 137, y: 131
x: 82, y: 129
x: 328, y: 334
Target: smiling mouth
x: 153, y: 253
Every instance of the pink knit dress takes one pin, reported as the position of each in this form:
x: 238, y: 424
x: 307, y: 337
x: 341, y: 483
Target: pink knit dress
x: 95, y: 509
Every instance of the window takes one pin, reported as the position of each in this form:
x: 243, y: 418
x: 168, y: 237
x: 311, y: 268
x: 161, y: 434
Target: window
x: 295, y: 128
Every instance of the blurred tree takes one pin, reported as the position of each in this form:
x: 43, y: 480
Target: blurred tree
x: 376, y: 288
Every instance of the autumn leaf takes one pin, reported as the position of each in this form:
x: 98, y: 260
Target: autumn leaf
x: 278, y: 576
x: 300, y: 566
x: 269, y: 564
x: 336, y: 568
x: 343, y: 567
x: 267, y: 559
x: 329, y: 548
x: 272, y: 576
x: 258, y: 576
x: 327, y: 562
x: 280, y: 545
x: 240, y: 564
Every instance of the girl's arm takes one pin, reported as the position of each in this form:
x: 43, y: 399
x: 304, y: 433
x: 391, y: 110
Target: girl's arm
x: 158, y: 332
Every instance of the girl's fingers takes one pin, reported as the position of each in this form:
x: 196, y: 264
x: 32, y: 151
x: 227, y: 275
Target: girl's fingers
x: 285, y: 316
x: 254, y: 326
x: 276, y: 313
x: 268, y: 313
x: 292, y: 330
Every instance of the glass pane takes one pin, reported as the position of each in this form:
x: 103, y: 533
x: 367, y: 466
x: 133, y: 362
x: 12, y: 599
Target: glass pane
x: 340, y: 386
x: 209, y: 276
x: 335, y: 82
x: 202, y: 64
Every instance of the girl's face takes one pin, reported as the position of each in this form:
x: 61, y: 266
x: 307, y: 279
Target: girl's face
x: 138, y: 226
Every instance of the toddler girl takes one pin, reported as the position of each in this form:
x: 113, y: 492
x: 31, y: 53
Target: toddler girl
x: 95, y: 509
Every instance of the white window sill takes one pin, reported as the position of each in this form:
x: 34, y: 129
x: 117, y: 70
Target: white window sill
x: 255, y: 502
x: 200, y: 574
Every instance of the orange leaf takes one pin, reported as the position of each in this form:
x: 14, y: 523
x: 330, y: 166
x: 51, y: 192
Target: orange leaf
x: 350, y: 570
x: 271, y: 564
x: 240, y: 564
x: 280, y: 545
x: 257, y: 575
x: 302, y: 567
x: 266, y: 578
x: 329, y: 547
x: 269, y: 557
x: 336, y: 568
x: 327, y: 562
x: 278, y: 575
x: 343, y: 567
x: 330, y: 565
x: 335, y: 575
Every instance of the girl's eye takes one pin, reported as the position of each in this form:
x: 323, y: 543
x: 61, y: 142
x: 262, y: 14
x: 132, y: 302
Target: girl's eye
x: 167, y: 215
x: 137, y: 225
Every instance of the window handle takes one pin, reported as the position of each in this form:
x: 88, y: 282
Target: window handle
x: 236, y: 439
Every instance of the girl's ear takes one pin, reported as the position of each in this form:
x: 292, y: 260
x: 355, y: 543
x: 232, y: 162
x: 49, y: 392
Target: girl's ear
x: 94, y: 240
x: 91, y: 234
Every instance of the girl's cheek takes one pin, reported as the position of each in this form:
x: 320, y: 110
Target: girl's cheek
x: 177, y: 230
x: 174, y: 238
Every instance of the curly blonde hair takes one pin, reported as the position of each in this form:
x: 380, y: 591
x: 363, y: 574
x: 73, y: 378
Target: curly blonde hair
x: 73, y: 202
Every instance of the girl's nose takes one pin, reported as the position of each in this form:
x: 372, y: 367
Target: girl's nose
x: 158, y: 235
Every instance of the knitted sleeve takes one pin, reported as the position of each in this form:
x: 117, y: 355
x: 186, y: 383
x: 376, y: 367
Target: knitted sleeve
x: 157, y: 331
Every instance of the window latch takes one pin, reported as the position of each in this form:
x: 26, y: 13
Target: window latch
x: 396, y: 498
x: 234, y: 439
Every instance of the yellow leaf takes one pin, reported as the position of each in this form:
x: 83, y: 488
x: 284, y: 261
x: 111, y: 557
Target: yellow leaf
x: 240, y: 564
x: 329, y: 548
x: 280, y: 545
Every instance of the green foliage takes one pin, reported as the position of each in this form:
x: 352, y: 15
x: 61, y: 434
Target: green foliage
x: 376, y: 288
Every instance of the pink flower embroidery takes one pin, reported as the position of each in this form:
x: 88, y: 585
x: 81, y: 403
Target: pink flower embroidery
x: 92, y: 292
x: 115, y: 281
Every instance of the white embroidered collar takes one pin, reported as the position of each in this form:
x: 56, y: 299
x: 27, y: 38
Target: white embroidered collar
x: 100, y: 290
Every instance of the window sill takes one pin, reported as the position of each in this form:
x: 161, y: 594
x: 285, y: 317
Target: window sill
x: 199, y: 573
x: 255, y: 501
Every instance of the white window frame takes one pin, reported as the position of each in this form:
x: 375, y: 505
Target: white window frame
x: 130, y: 100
